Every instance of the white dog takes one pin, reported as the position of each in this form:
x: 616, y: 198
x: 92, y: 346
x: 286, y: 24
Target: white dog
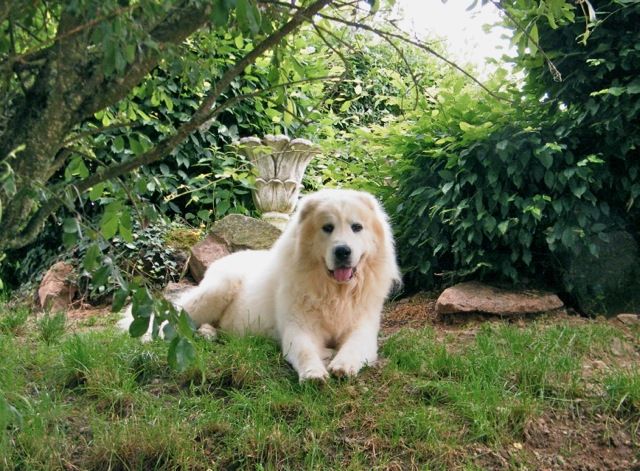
x: 319, y: 289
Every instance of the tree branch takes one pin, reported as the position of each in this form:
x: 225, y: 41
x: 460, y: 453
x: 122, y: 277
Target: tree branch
x: 180, y: 24
x: 201, y: 115
x: 388, y: 35
x: 39, y: 51
x: 418, y: 44
x: 555, y: 73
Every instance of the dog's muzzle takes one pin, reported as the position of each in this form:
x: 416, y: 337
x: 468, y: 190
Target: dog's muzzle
x: 343, y: 271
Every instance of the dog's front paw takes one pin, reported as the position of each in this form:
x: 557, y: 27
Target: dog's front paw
x: 208, y: 332
x: 341, y: 366
x: 317, y: 374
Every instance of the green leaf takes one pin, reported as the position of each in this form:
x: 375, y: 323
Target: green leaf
x: 546, y: 159
x: 139, y: 326
x: 204, y: 214
x: 248, y: 16
x: 92, y: 258
x: 126, y: 225
x: 110, y: 220
x: 345, y: 106
x: 568, y: 237
x: 489, y: 224
x: 76, y: 168
x: 100, y: 277
x: 118, y: 144
x: 169, y: 332
x: 96, y: 191
x: 119, y: 299
x: 71, y: 226
x: 465, y: 127
x: 181, y: 354
x: 220, y: 15
x: 135, y: 146
x: 533, y: 40
x: 185, y: 326
x: 141, y: 303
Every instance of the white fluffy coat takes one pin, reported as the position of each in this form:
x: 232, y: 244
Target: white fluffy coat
x: 290, y: 292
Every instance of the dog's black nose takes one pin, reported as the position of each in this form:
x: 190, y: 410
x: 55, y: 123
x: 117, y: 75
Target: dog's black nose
x: 342, y: 253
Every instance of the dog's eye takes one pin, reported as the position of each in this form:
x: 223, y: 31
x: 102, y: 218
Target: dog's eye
x: 357, y: 227
x: 328, y: 228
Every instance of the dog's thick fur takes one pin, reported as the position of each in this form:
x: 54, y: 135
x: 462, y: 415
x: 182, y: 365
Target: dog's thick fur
x: 319, y: 289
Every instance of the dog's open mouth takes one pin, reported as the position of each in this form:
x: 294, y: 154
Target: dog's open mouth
x: 343, y: 274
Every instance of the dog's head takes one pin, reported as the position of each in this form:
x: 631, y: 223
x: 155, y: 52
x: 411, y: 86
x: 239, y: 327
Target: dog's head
x: 345, y: 232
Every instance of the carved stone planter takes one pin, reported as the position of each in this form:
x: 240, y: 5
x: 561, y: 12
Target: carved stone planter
x: 281, y: 163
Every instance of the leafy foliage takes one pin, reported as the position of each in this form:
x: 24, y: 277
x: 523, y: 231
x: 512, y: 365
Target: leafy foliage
x: 148, y: 256
x: 501, y: 189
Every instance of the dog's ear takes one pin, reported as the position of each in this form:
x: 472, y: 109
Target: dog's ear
x: 369, y: 200
x: 307, y: 206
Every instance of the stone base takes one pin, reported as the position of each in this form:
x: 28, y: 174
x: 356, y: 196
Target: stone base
x: 279, y: 220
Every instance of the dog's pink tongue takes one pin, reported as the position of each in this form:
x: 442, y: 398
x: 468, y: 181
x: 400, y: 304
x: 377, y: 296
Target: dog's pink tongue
x: 342, y: 274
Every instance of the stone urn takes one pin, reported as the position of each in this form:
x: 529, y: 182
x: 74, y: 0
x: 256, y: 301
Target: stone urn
x: 280, y: 163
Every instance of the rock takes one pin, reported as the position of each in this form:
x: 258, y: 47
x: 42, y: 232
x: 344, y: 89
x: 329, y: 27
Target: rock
x: 478, y: 297
x: 609, y: 283
x: 231, y: 234
x: 240, y: 232
x: 173, y: 290
x: 629, y: 319
x: 204, y: 253
x: 56, y: 291
x: 616, y: 347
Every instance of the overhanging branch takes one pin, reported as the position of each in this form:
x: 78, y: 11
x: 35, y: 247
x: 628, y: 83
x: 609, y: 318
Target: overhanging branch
x: 202, y: 114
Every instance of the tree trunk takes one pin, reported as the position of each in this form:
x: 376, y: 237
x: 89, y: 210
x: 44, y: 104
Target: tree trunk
x: 69, y: 88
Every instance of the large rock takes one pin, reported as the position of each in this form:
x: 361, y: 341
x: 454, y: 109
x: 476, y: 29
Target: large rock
x: 56, y: 291
x: 231, y: 234
x: 478, y: 297
x: 609, y: 283
x: 242, y: 232
x: 204, y: 253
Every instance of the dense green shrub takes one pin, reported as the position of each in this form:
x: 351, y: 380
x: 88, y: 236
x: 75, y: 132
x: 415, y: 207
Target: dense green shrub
x: 502, y: 189
x: 483, y: 191
x: 601, y: 90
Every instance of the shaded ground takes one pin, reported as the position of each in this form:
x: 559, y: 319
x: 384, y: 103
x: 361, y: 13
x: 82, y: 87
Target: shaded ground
x: 576, y: 439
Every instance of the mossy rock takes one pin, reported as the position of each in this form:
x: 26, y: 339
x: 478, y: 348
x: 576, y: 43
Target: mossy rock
x: 242, y: 232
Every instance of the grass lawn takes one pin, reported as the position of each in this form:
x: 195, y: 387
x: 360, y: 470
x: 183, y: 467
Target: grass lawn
x: 557, y: 394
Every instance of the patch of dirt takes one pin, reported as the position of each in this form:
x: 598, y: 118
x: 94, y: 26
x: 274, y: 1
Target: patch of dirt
x: 84, y: 312
x: 415, y: 312
x: 575, y: 441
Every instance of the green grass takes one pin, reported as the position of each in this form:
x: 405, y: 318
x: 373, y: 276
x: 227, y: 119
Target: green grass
x: 100, y: 400
x: 52, y: 326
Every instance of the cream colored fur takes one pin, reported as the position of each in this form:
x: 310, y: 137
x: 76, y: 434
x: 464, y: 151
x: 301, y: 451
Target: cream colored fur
x: 288, y: 292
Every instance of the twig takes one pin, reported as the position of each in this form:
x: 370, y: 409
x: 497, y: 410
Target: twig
x: 235, y: 99
x: 555, y: 73
x: 90, y: 132
x: 44, y: 46
x: 404, y: 59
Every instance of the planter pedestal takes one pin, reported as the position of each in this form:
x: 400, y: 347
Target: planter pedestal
x: 281, y: 163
